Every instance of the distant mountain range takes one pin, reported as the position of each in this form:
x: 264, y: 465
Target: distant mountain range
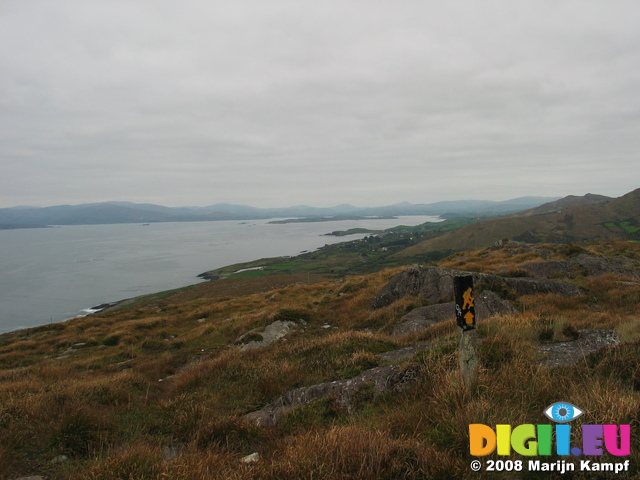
x: 127, y: 212
x: 570, y: 219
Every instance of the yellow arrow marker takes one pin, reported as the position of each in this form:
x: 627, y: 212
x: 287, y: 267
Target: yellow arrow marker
x: 469, y: 318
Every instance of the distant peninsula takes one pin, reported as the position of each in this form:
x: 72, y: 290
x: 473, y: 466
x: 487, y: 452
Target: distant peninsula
x: 332, y: 219
x: 16, y: 226
x: 351, y: 231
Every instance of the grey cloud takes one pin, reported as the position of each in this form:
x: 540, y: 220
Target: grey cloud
x: 316, y: 102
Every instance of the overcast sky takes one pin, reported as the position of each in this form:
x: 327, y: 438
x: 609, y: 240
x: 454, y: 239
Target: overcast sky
x: 275, y: 103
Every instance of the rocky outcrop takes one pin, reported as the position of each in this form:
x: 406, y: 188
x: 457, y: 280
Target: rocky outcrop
x: 487, y: 304
x: 435, y: 285
x: 259, y: 339
x: 395, y: 356
x: 570, y: 353
x: 251, y: 459
x: 420, y: 318
x: 379, y: 379
x: 583, y: 265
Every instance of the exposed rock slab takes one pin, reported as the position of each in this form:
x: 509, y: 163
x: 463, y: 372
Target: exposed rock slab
x: 251, y: 459
x: 583, y: 265
x: 423, y: 317
x: 487, y: 305
x: 270, y: 334
x: 380, y: 378
x: 570, y: 353
x: 435, y: 285
x: 405, y: 353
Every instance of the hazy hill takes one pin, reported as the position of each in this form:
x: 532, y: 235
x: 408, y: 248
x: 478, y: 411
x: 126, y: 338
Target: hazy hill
x: 127, y: 212
x: 591, y: 217
x: 566, y: 202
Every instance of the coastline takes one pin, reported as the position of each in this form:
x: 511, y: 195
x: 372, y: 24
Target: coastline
x: 193, y: 245
x: 104, y: 307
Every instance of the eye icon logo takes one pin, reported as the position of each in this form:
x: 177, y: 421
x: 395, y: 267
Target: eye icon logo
x: 562, y: 412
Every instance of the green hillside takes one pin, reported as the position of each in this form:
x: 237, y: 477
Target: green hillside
x: 560, y: 222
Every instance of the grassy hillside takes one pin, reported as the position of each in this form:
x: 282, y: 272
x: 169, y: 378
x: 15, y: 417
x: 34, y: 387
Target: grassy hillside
x: 159, y: 389
x: 569, y: 220
x: 370, y: 254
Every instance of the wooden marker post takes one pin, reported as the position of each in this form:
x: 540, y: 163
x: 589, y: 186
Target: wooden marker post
x: 466, y: 320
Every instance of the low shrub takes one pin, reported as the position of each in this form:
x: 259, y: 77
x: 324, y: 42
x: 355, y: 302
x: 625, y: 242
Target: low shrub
x: 111, y: 340
x: 295, y: 315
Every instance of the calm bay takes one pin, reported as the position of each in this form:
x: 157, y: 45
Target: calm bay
x: 52, y: 274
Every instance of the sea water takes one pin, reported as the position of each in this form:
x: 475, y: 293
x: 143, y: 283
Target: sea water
x: 52, y: 274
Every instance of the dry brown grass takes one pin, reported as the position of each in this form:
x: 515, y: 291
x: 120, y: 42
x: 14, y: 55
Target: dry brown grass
x: 503, y: 260
x: 166, y: 373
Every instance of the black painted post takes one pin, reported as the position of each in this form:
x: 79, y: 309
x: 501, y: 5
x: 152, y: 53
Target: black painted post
x: 466, y: 320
